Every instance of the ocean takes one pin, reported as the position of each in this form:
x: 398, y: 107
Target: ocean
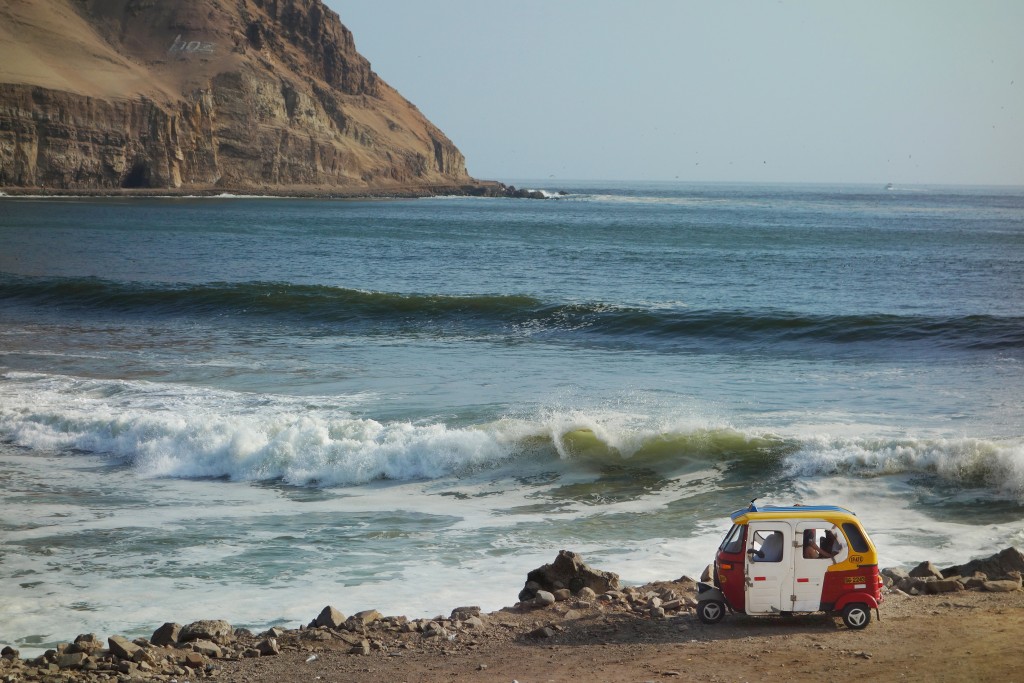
x: 250, y: 408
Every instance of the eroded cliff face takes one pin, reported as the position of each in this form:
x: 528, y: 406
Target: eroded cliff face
x: 247, y: 94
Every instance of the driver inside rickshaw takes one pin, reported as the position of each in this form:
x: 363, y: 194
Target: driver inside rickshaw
x: 829, y: 548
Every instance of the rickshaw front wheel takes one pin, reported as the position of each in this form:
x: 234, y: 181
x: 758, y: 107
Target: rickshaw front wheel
x: 711, y: 611
x: 857, y: 615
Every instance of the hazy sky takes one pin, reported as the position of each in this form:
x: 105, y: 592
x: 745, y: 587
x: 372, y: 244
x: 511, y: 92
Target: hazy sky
x: 816, y: 90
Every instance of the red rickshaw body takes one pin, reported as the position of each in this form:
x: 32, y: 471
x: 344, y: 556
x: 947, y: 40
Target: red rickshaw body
x: 774, y: 560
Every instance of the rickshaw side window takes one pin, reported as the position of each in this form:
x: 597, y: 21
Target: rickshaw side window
x: 733, y: 542
x: 857, y: 540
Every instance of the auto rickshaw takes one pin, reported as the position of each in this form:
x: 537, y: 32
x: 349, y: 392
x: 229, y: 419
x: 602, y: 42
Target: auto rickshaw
x: 782, y: 560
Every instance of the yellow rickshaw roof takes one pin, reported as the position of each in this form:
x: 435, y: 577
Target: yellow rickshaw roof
x: 829, y: 512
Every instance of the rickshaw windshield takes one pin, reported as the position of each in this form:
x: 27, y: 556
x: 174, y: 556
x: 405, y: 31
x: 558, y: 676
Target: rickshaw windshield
x: 857, y: 536
x: 733, y: 542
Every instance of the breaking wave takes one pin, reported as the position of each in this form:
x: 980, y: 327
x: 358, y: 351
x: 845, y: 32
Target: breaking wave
x: 179, y: 431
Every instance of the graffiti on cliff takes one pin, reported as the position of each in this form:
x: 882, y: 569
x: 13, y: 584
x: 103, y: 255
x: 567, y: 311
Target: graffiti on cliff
x: 191, y: 47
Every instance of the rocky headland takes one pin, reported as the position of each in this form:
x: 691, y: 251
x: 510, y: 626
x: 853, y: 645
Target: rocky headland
x: 573, y: 622
x: 198, y: 97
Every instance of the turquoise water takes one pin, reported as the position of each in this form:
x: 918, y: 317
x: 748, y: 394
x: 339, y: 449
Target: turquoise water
x: 249, y: 408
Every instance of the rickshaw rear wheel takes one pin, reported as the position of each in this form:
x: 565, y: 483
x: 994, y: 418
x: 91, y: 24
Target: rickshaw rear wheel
x: 857, y: 615
x: 711, y: 611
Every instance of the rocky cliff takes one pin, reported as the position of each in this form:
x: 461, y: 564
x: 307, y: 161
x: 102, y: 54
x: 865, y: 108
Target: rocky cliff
x: 256, y: 95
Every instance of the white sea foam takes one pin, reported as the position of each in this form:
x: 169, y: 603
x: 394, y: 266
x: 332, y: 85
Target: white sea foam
x: 996, y: 465
x: 180, y: 431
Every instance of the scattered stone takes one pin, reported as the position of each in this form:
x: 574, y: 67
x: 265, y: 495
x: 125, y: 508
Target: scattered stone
x: 87, y: 643
x: 348, y: 638
x: 361, y: 620
x: 586, y: 593
x: 9, y: 653
x: 569, y: 571
x: 911, y: 585
x: 127, y: 667
x: 474, y: 623
x: 207, y: 648
x: 951, y: 585
x: 464, y: 613
x: 1002, y: 586
x: 166, y: 634
x: 562, y: 594
x: 268, y: 647
x: 329, y: 618
x: 363, y: 648
x: 976, y: 582
x: 926, y: 570
x: 435, y: 630
x: 274, y: 632
x: 73, y: 660
x: 894, y: 575
x: 542, y: 632
x: 216, y: 630
x: 193, y: 660
x: 121, y: 647
x: 529, y: 591
x: 543, y: 599
x: 997, y: 567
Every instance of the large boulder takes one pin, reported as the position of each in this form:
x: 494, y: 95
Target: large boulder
x: 568, y: 571
x: 166, y: 634
x: 995, y: 567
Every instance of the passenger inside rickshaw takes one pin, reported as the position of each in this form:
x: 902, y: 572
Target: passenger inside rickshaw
x: 770, y: 549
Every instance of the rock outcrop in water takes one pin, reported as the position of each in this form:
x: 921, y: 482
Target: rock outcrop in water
x: 257, y: 95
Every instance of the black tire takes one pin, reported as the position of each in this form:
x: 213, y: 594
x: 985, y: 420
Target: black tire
x: 856, y: 615
x: 710, y: 611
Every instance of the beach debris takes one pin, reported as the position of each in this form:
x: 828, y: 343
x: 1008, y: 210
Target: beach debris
x: 311, y: 658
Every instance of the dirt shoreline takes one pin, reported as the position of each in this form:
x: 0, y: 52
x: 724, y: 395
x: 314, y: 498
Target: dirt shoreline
x: 962, y: 636
x: 967, y: 636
